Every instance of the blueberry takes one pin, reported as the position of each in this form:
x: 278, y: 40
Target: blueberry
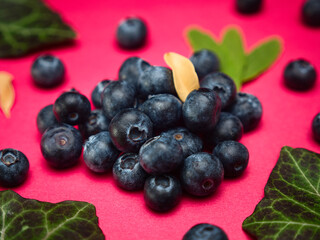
x: 223, y: 85
x: 128, y: 173
x: 129, y: 129
x: 131, y: 33
x: 201, y: 110
x: 14, y: 167
x: 316, y: 127
x: 311, y: 13
x: 229, y: 127
x: 205, y: 62
x: 47, y: 71
x: 155, y: 80
x: 96, y: 122
x: 164, y: 110
x: 72, y: 108
x: 189, y: 142
x: 46, y: 118
x: 201, y: 174
x: 234, y: 157
x: 248, y: 109
x: 61, y: 146
x: 249, y: 6
x: 160, y: 155
x: 99, y: 153
x: 205, y: 231
x: 299, y: 75
x: 116, y: 96
x: 162, y: 193
x: 96, y: 95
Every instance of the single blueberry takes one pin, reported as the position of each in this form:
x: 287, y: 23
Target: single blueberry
x: 248, y: 6
x: 234, y: 157
x: 205, y: 62
x: 46, y: 118
x: 201, y: 174
x: 129, y: 129
x: 162, y: 193
x: 205, y: 231
x: 316, y: 127
x: 96, y: 94
x: 127, y: 172
x: 99, y: 153
x: 47, y: 71
x: 131, y: 33
x: 311, y: 13
x: 14, y: 167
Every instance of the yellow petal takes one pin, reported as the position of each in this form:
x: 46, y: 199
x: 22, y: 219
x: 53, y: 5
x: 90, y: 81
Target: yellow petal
x: 6, y: 93
x: 184, y: 75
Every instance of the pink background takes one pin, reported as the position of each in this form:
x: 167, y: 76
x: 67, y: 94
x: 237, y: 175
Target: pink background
x: 286, y: 118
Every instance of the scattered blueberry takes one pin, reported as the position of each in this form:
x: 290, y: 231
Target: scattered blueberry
x: 162, y: 193
x: 311, y: 13
x: 249, y: 6
x: 96, y: 95
x: 14, y: 167
x: 96, y: 122
x: 205, y: 62
x: 205, y: 231
x: 316, y: 127
x: 46, y: 118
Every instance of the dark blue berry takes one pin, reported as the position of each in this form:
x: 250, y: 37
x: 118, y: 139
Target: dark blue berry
x: 160, y: 155
x: 162, y: 193
x: 205, y: 62
x: 234, y: 157
x: 96, y: 122
x: 47, y: 71
x: 311, y: 13
x: 116, y: 96
x: 46, y: 118
x: 14, y: 167
x: 316, y: 127
x: 99, y: 153
x: 205, y: 231
x: 223, y: 85
x: 131, y: 33
x: 299, y: 75
x: 72, y: 108
x: 248, y: 109
x: 201, y: 110
x: 249, y: 6
x: 201, y: 174
x: 96, y: 95
x: 129, y: 129
x: 61, y: 146
x: 164, y: 110
x: 128, y: 173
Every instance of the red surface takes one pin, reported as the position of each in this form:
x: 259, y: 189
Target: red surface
x: 286, y: 118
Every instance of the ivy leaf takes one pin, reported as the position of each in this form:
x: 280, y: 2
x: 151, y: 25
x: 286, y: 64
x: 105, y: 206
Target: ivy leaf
x: 28, y: 25
x: 290, y: 208
x: 27, y: 219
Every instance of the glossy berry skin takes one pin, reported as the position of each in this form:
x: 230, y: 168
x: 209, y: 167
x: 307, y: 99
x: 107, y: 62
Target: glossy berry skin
x: 96, y: 123
x: 234, y: 157
x: 96, y: 94
x: 127, y: 172
x: 299, y: 75
x: 223, y: 85
x: 160, y: 155
x: 117, y: 96
x: 162, y: 193
x: 201, y: 174
x: 248, y: 109
x: 189, y: 142
x: 46, y: 118
x: 14, y: 167
x: 201, y: 110
x: 316, y: 127
x: 47, y: 71
x: 205, y: 62
x: 72, y: 108
x: 205, y: 231
x: 131, y: 33
x: 155, y: 80
x: 164, y: 110
x: 229, y: 127
x: 61, y: 145
x: 99, y: 153
x: 248, y: 6
x: 129, y: 129
x: 311, y: 13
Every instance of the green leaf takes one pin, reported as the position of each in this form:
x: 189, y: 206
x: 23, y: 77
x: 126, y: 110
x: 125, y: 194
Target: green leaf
x: 28, y: 25
x: 28, y: 219
x: 290, y: 208
x: 261, y: 58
